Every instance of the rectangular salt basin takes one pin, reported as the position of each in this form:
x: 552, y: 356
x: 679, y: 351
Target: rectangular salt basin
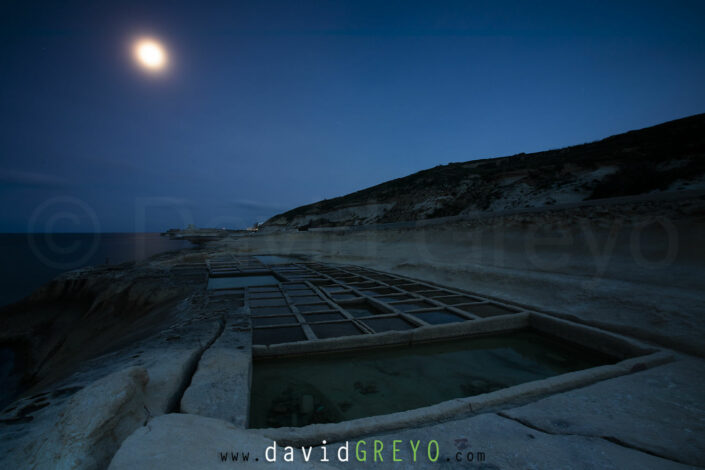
x: 241, y: 281
x: 335, y: 387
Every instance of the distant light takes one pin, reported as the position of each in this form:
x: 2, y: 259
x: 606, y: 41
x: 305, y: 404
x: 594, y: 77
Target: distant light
x: 150, y: 54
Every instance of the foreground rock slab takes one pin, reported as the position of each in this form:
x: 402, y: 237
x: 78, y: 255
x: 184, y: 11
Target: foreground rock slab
x: 195, y: 442
x: 90, y: 428
x: 659, y: 410
x: 220, y: 388
x: 81, y: 421
x: 491, y: 442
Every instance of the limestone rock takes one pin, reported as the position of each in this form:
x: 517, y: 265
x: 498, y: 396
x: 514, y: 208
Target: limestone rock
x: 659, y: 410
x: 220, y: 388
x: 195, y: 442
x: 94, y: 422
x: 491, y: 442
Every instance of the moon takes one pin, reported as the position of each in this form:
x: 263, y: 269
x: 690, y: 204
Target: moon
x: 150, y: 54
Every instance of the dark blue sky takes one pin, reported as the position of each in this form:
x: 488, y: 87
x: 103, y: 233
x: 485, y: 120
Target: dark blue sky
x: 270, y: 105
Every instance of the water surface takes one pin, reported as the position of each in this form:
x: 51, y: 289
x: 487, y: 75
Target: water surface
x: 338, y: 387
x: 235, y: 282
x: 30, y: 260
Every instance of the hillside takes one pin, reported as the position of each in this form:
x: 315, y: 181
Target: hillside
x: 666, y: 157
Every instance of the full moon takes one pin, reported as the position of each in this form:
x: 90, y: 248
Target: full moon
x: 150, y: 54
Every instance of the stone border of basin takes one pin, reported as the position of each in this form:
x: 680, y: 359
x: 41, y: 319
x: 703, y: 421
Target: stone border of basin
x: 583, y: 335
x: 635, y: 356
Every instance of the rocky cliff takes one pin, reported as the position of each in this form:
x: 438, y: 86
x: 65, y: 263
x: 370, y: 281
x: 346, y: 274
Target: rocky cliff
x: 664, y: 158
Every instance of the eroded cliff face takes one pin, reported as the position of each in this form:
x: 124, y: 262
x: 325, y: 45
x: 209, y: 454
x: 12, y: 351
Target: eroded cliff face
x: 86, y: 325
x: 79, y: 315
x: 97, y: 352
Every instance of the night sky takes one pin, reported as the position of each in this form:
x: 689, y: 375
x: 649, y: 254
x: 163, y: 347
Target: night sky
x: 269, y: 105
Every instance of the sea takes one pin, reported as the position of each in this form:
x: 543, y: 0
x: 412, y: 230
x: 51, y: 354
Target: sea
x: 28, y: 261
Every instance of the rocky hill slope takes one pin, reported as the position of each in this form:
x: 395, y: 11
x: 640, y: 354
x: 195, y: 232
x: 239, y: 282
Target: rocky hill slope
x: 666, y: 157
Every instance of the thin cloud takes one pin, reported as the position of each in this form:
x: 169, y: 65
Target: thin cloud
x: 31, y: 179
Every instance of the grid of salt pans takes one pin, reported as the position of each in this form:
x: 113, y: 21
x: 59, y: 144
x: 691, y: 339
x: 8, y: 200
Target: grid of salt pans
x: 315, y: 301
